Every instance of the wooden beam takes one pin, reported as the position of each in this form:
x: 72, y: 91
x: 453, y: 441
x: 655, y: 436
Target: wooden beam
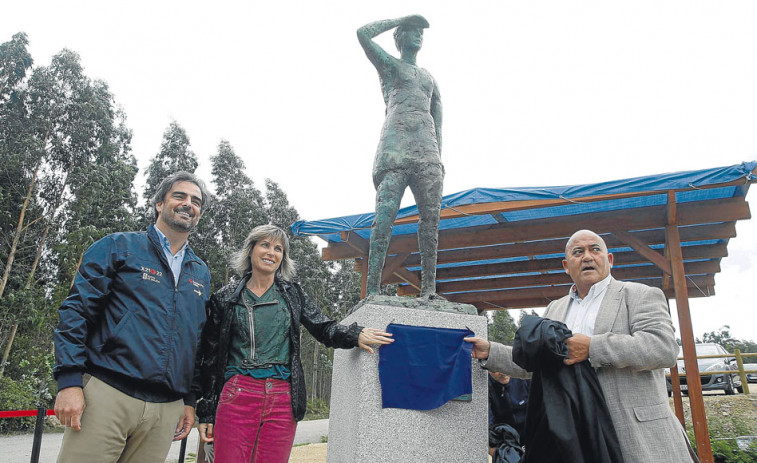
x: 363, y: 277
x: 718, y: 231
x: 499, y: 217
x: 392, y: 264
x: 511, y: 304
x: 509, y: 206
x: 642, y: 248
x: 666, y: 279
x: 698, y: 416
x: 355, y: 242
x: 535, y: 302
x: 710, y: 251
x: 408, y: 277
x: 551, y: 292
x: 712, y: 211
x: 623, y: 273
x: 675, y: 385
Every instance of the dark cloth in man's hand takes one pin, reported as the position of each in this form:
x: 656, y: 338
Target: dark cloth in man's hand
x: 568, y: 420
x: 507, y: 441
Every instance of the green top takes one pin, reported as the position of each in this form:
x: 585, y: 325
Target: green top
x: 265, y: 353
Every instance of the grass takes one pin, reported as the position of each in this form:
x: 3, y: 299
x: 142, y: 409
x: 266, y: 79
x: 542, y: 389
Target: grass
x: 728, y: 419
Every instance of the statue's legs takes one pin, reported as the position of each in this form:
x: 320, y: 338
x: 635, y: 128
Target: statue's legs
x: 426, y: 186
x: 389, y: 193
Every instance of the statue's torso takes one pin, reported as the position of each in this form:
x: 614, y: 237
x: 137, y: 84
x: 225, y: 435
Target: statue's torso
x: 409, y: 132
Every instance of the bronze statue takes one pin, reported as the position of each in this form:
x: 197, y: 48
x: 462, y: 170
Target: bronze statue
x: 409, y: 152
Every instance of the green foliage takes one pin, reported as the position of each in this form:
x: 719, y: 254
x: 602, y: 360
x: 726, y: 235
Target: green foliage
x: 67, y: 179
x: 727, y: 451
x: 15, y: 61
x: 728, y: 417
x: 16, y: 395
x: 344, y: 286
x: 237, y: 208
x: 503, y: 327
x: 724, y: 338
x: 318, y: 409
x: 67, y: 175
x: 174, y: 155
x: 27, y: 391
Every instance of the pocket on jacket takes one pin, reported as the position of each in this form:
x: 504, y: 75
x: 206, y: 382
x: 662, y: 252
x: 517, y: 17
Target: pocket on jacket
x: 114, y: 335
x: 652, y: 412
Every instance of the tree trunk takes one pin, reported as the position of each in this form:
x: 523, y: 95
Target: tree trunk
x: 9, y: 264
x: 8, y: 348
x: 37, y: 257
x: 76, y: 270
x: 17, y: 235
x: 27, y: 286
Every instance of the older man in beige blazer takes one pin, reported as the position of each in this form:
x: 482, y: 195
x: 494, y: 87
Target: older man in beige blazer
x: 624, y: 330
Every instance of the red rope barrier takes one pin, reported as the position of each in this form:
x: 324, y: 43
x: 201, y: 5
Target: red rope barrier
x: 23, y: 413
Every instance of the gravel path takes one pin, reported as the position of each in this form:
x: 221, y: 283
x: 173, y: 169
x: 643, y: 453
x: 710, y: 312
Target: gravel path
x: 18, y: 449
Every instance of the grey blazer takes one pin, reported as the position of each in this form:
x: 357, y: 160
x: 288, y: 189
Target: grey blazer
x: 633, y: 341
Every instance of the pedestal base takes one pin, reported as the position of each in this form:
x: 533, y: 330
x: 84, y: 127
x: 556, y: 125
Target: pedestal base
x: 361, y: 431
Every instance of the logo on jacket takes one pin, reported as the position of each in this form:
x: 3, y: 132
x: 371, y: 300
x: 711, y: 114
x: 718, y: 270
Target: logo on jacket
x: 150, y: 274
x: 197, y: 284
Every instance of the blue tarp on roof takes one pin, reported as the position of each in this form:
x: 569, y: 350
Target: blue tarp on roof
x: 330, y: 229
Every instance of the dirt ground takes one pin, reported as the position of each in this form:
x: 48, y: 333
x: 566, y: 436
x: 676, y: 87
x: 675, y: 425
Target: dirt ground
x: 312, y: 453
x: 728, y: 416
x: 721, y: 411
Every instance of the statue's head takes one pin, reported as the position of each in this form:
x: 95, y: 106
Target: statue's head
x: 408, y: 37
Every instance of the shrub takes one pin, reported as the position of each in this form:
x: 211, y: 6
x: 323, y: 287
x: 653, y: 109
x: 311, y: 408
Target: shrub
x: 318, y: 409
x: 26, y: 391
x: 727, y: 451
x: 16, y: 395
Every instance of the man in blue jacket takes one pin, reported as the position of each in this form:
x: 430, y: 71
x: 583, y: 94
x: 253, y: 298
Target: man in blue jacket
x: 128, y: 334
x: 508, y: 401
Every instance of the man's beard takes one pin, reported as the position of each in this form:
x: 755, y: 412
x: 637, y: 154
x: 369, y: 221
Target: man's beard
x: 180, y: 225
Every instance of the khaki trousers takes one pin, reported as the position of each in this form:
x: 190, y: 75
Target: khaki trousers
x: 118, y: 428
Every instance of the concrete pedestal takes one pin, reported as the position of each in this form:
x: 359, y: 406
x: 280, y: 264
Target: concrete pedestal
x: 361, y: 431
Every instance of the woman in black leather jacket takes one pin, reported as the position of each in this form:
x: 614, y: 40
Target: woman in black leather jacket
x: 253, y: 382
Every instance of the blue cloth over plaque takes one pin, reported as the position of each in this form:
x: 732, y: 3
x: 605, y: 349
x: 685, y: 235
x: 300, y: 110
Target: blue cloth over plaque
x: 424, y: 367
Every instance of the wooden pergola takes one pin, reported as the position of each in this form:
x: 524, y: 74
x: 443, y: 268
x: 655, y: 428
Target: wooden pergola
x: 668, y: 231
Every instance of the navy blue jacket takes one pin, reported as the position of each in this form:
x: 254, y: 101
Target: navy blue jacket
x: 127, y: 323
x: 508, y: 403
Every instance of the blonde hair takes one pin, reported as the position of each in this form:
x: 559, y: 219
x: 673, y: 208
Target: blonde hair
x: 240, y: 261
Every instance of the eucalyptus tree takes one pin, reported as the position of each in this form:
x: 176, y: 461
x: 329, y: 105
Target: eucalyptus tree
x: 15, y: 62
x: 502, y: 328
x: 174, y: 155
x: 238, y: 208
x: 77, y: 156
x: 16, y: 154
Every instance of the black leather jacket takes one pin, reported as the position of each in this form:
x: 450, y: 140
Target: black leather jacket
x: 216, y: 339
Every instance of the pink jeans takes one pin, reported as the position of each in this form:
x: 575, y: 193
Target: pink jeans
x: 254, y: 421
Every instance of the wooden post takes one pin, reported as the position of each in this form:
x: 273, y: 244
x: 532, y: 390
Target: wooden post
x: 675, y: 382
x: 698, y: 416
x: 364, y: 277
x: 740, y: 363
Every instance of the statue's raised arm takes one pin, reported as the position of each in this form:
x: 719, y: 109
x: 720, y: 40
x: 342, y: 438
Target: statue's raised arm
x: 377, y: 55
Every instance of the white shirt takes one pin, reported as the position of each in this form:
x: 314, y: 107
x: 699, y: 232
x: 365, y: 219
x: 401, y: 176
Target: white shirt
x: 174, y: 260
x: 582, y: 313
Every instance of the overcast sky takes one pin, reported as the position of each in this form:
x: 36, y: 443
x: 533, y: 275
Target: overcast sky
x: 536, y: 93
